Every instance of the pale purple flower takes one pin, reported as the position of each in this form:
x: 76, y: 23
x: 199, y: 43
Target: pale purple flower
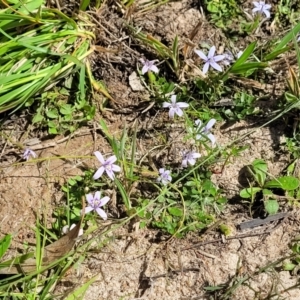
x: 175, y: 107
x: 262, y: 8
x: 298, y: 39
x: 27, y: 153
x: 106, y: 165
x: 66, y: 229
x: 189, y: 158
x: 204, y: 131
x: 210, y: 59
x: 228, y: 58
x: 149, y: 65
x: 164, y: 176
x: 95, y: 202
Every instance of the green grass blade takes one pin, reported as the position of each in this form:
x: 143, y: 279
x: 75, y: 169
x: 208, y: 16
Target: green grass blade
x: 288, y: 37
x: 79, y: 293
x: 4, y: 244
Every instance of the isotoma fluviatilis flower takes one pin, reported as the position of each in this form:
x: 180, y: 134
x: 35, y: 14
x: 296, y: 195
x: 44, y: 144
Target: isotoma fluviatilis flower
x: 164, y: 176
x: 95, y: 202
x: 149, y: 65
x: 27, y: 153
x: 262, y: 8
x: 210, y: 60
x: 204, y: 131
x: 66, y: 229
x: 175, y: 107
x: 189, y: 158
x: 106, y: 165
x: 228, y: 58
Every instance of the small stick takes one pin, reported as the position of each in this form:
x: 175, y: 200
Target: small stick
x: 257, y: 222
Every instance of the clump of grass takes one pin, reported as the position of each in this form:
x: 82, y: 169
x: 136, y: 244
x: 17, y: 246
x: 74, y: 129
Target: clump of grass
x: 39, y: 47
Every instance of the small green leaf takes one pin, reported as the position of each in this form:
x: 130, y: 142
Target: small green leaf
x: 288, y: 266
x: 249, y: 192
x: 66, y: 109
x: 174, y: 211
x: 271, y: 206
x: 4, y: 244
x: 225, y: 229
x: 287, y: 183
x: 52, y: 114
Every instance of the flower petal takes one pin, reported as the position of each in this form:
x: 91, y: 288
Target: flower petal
x: 166, y: 104
x: 97, y: 196
x: 154, y: 69
x: 115, y: 168
x: 89, y: 198
x: 161, y: 170
x: 110, y: 174
x: 205, y: 68
x: 101, y: 213
x: 216, y: 66
x: 196, y: 155
x: 182, y: 104
x: 219, y: 57
x: 103, y: 201
x: 99, y: 157
x: 201, y: 54
x: 210, y: 124
x: 179, y: 112
x: 173, y: 98
x: 145, y: 69
x: 184, y: 163
x: 212, y: 138
x: 171, y: 113
x: 211, y: 52
x: 65, y: 229
x: 191, y: 161
x: 98, y: 173
x: 111, y: 160
x: 88, y: 209
x: 267, y: 13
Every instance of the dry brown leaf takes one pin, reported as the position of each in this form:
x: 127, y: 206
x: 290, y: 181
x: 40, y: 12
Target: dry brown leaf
x: 51, y: 253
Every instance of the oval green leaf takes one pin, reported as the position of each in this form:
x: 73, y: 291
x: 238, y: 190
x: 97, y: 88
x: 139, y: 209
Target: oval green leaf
x: 175, y: 211
x: 249, y: 192
x: 271, y: 206
x: 287, y: 183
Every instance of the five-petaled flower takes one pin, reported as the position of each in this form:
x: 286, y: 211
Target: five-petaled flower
x: 149, y: 65
x: 189, y: 158
x: 204, y: 131
x: 106, y: 165
x: 27, y: 153
x: 262, y: 8
x: 66, y: 229
x: 164, y: 176
x: 95, y: 202
x: 210, y: 59
x: 175, y: 107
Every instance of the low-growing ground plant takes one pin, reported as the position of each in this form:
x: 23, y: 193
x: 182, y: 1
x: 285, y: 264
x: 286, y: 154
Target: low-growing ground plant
x: 46, y: 69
